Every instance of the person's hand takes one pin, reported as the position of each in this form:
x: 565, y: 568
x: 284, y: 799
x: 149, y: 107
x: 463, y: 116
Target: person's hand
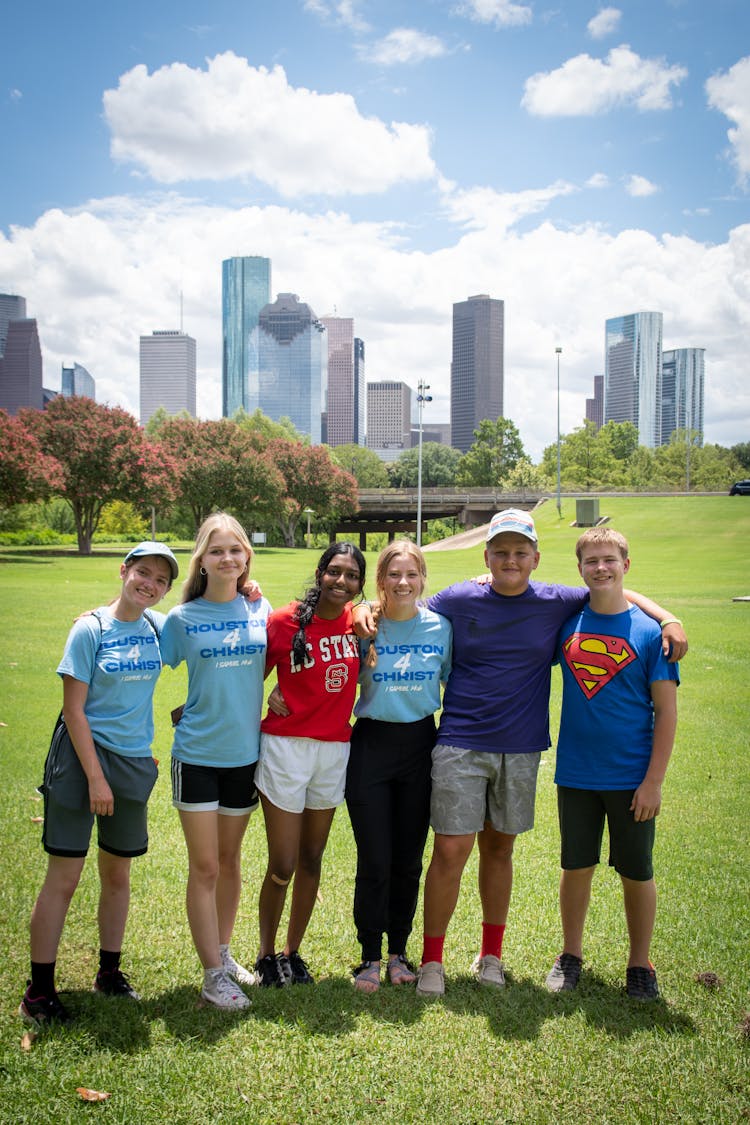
x: 364, y: 620
x: 646, y: 801
x: 277, y: 703
x: 674, y: 641
x: 101, y: 798
x: 482, y: 579
x: 251, y: 590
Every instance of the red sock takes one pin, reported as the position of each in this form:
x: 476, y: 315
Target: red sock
x: 432, y: 948
x: 492, y: 939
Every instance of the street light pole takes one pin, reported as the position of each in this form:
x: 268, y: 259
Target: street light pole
x: 559, y: 505
x: 422, y: 398
x: 308, y: 512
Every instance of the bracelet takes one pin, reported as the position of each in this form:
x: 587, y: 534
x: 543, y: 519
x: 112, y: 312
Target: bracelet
x: 669, y: 621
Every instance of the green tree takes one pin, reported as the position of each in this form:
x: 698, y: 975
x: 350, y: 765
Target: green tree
x: 621, y: 439
x: 742, y: 452
x: 586, y: 461
x: 364, y: 465
x: 122, y: 520
x: 264, y: 429
x: 439, y: 465
x: 104, y: 455
x: 496, y: 451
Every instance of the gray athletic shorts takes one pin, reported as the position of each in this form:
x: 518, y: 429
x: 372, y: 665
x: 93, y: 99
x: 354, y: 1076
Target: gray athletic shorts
x: 68, y: 819
x: 470, y: 787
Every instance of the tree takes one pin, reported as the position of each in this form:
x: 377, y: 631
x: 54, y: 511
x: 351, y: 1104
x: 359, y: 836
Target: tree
x: 439, y: 465
x: 621, y: 438
x: 496, y: 451
x: 265, y: 428
x: 312, y: 480
x: 219, y: 466
x: 364, y: 465
x: 26, y: 473
x: 104, y: 456
x: 742, y: 452
x: 585, y: 459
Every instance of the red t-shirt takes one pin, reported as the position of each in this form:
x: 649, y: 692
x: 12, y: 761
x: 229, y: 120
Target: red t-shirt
x: 320, y: 694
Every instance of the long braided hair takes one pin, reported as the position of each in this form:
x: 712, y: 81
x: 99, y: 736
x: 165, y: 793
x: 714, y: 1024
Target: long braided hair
x: 305, y: 610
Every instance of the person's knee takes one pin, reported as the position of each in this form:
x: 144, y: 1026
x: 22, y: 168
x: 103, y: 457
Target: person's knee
x: 450, y: 853
x: 310, y: 860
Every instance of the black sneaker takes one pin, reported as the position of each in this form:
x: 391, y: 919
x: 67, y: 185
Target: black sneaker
x: 268, y: 972
x: 641, y: 983
x: 38, y: 1011
x: 112, y: 982
x: 294, y: 969
x: 564, y: 974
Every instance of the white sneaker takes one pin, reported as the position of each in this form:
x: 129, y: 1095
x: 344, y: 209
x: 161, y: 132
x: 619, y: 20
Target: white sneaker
x: 236, y: 971
x: 219, y: 989
x: 431, y: 979
x: 489, y: 970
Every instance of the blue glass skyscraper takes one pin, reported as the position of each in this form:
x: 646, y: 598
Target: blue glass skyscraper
x: 293, y: 365
x: 682, y: 393
x: 632, y: 373
x: 245, y: 289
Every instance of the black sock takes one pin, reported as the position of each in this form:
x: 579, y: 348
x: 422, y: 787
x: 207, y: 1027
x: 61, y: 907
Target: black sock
x: 108, y: 961
x: 43, y: 978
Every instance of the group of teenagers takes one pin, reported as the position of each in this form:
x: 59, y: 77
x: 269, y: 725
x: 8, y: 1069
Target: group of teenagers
x: 481, y: 649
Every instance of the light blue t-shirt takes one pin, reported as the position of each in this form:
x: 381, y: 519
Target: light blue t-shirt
x: 414, y: 657
x: 224, y: 645
x: 120, y: 661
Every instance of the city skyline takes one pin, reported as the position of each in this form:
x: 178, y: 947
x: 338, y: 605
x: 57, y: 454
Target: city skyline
x: 575, y: 162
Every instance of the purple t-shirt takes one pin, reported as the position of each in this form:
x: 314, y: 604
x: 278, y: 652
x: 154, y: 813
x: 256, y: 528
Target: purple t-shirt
x: 497, y: 698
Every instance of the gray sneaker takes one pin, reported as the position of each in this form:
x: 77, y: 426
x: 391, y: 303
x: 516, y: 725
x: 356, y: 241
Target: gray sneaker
x: 236, y: 971
x: 564, y: 974
x: 220, y: 990
x: 489, y: 970
x: 431, y: 979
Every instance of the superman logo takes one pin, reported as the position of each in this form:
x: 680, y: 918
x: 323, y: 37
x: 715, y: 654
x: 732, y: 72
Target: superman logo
x: 594, y: 660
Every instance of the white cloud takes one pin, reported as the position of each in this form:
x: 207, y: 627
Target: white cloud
x: 235, y: 120
x: 598, y: 180
x: 503, y: 13
x: 15, y: 95
x: 639, y: 187
x: 584, y: 86
x: 343, y: 12
x: 404, y: 45
x: 483, y: 208
x: 604, y: 23
x: 730, y: 93
x: 101, y: 276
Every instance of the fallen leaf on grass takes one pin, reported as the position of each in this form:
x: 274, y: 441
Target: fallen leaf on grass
x: 92, y: 1095
x: 27, y: 1040
x: 3, y: 724
x: 37, y: 820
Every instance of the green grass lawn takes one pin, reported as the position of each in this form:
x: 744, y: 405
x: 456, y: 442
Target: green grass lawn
x: 328, y: 1054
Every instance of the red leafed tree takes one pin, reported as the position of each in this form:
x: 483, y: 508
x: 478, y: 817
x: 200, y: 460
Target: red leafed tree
x: 104, y: 456
x: 26, y: 473
x: 219, y: 466
x: 312, y: 480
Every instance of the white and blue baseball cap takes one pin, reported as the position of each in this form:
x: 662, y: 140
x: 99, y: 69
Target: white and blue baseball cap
x: 151, y: 547
x: 512, y: 519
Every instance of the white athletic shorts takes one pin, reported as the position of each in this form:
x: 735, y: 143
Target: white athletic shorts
x: 301, y: 773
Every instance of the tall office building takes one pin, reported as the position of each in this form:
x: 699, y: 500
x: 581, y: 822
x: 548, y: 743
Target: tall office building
x: 346, y: 373
x: 167, y: 373
x: 683, y: 372
x: 245, y: 290
x: 76, y: 380
x: 11, y: 308
x: 293, y: 365
x: 21, y: 367
x: 477, y: 366
x: 595, y: 405
x: 632, y: 373
x: 388, y: 415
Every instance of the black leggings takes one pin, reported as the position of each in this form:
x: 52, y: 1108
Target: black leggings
x: 388, y: 797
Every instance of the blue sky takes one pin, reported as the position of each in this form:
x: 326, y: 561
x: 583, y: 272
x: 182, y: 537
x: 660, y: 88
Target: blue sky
x: 578, y: 161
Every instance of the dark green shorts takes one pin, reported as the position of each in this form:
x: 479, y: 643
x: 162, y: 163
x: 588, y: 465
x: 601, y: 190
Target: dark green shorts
x: 582, y: 813
x: 68, y: 819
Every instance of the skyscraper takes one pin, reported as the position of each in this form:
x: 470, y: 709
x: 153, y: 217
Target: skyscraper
x: 21, y: 367
x: 76, y: 380
x: 167, y: 373
x: 293, y: 365
x: 632, y: 373
x: 595, y: 405
x: 683, y: 371
x: 245, y: 290
x: 388, y: 415
x: 11, y: 308
x: 345, y: 397
x: 477, y: 366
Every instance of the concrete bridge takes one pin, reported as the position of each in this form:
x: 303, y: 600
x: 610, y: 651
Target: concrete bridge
x: 394, y: 510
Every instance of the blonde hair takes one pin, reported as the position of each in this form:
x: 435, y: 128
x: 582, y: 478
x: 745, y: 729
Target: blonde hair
x: 606, y: 535
x: 393, y: 551
x: 195, y: 583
